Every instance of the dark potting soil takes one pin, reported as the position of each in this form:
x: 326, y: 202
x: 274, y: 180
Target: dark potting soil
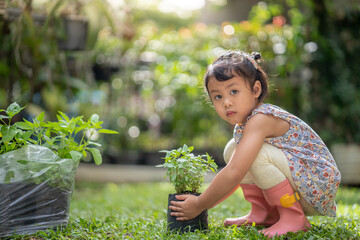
x: 200, y: 222
x: 26, y: 208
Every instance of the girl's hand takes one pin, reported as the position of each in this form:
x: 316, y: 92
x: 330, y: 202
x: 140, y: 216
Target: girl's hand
x: 186, y: 209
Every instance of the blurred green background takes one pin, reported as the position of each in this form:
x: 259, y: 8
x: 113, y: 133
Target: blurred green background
x: 139, y: 65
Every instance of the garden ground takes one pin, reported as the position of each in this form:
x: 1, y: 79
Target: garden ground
x: 138, y: 211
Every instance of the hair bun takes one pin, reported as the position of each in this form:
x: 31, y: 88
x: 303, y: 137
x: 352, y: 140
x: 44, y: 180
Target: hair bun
x: 256, y: 55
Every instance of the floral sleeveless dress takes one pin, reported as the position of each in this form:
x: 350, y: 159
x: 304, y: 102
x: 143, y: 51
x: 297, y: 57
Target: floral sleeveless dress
x: 311, y: 164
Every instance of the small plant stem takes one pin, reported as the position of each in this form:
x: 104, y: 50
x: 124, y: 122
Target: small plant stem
x: 82, y: 137
x: 4, y: 121
x: 40, y: 136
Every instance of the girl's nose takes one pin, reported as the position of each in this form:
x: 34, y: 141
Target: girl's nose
x: 227, y: 103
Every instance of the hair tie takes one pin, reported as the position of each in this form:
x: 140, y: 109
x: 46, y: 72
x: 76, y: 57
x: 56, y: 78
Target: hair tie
x: 253, y: 57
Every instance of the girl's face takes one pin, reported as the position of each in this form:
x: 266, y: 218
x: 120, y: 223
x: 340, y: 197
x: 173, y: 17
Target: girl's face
x: 233, y: 99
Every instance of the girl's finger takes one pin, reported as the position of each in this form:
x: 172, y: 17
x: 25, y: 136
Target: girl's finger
x: 181, y: 197
x: 176, y: 204
x: 177, y: 214
x: 176, y: 209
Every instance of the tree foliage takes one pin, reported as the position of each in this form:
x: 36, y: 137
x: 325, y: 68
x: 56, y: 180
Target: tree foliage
x: 153, y: 91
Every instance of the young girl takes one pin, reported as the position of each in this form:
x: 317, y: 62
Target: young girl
x: 283, y: 167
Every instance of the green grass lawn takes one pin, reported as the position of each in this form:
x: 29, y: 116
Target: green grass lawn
x: 138, y: 211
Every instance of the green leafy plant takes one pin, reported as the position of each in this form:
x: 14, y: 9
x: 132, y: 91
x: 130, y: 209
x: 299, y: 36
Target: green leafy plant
x: 42, y: 150
x: 12, y: 137
x: 185, y: 170
x: 60, y: 136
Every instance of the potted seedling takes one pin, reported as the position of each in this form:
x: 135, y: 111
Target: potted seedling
x: 186, y: 172
x: 38, y: 162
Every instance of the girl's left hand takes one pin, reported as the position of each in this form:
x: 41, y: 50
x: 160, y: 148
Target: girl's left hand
x: 186, y: 209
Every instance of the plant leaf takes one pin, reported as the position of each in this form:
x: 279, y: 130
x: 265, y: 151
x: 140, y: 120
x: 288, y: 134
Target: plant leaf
x: 191, y: 148
x: 108, y: 131
x: 63, y: 115
x: 13, y: 109
x: 75, y: 155
x: 23, y: 125
x: 40, y: 117
x: 95, y: 143
x: 96, y: 155
x: 8, y: 133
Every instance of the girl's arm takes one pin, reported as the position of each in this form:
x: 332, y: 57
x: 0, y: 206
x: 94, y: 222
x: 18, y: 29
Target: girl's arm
x: 226, y: 196
x: 256, y: 130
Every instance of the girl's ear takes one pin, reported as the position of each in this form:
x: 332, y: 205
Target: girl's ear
x: 257, y: 88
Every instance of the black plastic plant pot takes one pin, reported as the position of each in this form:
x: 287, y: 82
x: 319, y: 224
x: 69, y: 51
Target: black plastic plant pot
x: 26, y: 208
x: 200, y: 222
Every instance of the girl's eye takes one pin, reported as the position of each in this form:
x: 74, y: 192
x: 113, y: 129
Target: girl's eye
x: 217, y: 97
x: 233, y: 91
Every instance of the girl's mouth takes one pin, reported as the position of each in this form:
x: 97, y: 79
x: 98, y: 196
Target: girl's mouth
x: 230, y: 113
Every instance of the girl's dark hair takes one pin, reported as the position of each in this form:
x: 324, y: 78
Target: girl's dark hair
x: 236, y: 63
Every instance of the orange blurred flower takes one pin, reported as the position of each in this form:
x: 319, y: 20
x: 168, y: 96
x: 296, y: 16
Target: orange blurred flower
x: 279, y: 21
x: 245, y: 25
x: 185, y: 33
x: 200, y: 27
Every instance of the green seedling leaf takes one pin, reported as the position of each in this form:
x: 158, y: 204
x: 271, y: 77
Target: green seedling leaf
x: 40, y: 117
x: 49, y: 140
x: 8, y: 133
x: 79, y: 119
x: 72, y: 126
x: 107, y: 131
x: 63, y: 115
x: 26, y: 135
x: 75, y: 155
x: 96, y: 155
x: 13, y: 109
x: 24, y: 125
x: 79, y: 129
x: 95, y: 144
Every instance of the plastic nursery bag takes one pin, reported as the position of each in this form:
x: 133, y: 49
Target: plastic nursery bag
x: 35, y: 190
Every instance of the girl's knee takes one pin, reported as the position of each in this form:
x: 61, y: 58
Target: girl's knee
x: 269, y: 154
x: 263, y: 157
x: 270, y: 167
x: 229, y: 150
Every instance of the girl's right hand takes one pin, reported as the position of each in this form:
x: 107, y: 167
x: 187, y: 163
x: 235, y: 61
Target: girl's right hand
x: 186, y: 209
